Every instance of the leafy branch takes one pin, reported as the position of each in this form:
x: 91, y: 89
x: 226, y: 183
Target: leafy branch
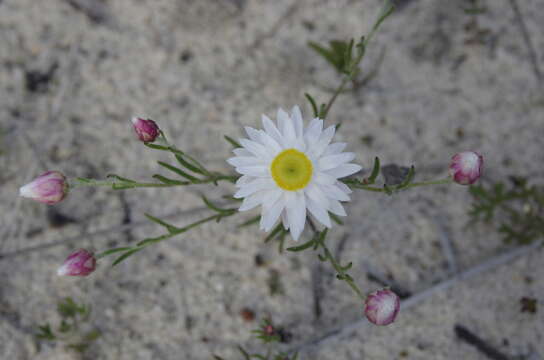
x: 172, y: 231
x: 317, y: 242
x: 518, y: 209
x: 68, y: 330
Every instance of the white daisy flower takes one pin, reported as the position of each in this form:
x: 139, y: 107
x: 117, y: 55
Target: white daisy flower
x: 289, y: 170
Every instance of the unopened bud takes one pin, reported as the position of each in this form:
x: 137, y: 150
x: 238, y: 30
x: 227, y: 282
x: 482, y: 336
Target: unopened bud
x: 466, y: 167
x: 80, y: 263
x: 48, y: 188
x: 147, y: 130
x: 382, y: 307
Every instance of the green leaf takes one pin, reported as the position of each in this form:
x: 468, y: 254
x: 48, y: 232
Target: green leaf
x: 190, y: 163
x: 475, y: 10
x: 168, y: 181
x: 244, y: 353
x: 312, y: 103
x: 45, y: 333
x: 126, y: 255
x: 92, y: 335
x: 214, y: 207
x: 157, y: 147
x: 64, y: 326
x: 85, y: 180
x: 327, y: 54
x: 171, y: 228
x: 120, y: 178
x: 113, y: 251
x: 233, y: 142
x: 408, y: 179
x: 302, y: 247
x: 251, y: 221
x: 336, y: 219
x: 375, y: 171
x: 179, y: 171
x: 80, y: 347
x: 67, y: 308
x: 274, y: 232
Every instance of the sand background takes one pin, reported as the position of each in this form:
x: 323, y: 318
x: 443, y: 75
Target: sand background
x: 73, y: 72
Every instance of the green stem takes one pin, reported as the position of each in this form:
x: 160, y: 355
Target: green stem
x: 359, y: 185
x: 353, y: 71
x: 342, y: 274
x: 447, y: 180
x: 125, y: 185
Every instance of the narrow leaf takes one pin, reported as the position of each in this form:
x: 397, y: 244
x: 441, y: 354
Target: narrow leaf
x: 179, y: 171
x: 233, y: 142
x: 251, y: 221
x: 169, y: 181
x: 304, y: 246
x: 126, y: 255
x: 171, y: 228
x: 375, y: 171
x: 312, y: 102
x: 120, y: 178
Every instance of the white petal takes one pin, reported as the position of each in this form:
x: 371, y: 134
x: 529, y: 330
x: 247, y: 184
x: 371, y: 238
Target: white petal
x: 343, y: 187
x: 272, y: 196
x: 252, y: 201
x: 241, y: 152
x: 344, y: 170
x: 333, y: 192
x: 318, y: 212
x: 253, y: 134
x: 246, y: 161
x: 335, y: 148
x: 256, y: 170
x: 324, y: 178
x: 336, y: 208
x: 296, y: 213
x: 296, y: 115
x: 332, y: 161
x: 270, y: 143
x: 271, y: 214
x: 286, y: 127
x: 285, y: 220
x: 244, y: 179
x: 316, y: 193
x: 319, y: 147
x: 256, y: 149
x: 272, y: 130
x: 254, y: 186
x: 313, y: 131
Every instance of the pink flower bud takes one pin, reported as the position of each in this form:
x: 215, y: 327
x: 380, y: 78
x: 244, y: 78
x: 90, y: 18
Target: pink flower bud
x: 465, y: 167
x: 80, y: 263
x: 48, y: 188
x: 147, y: 130
x: 382, y: 307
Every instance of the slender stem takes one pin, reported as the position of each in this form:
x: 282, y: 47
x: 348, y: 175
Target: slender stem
x: 354, y: 70
x: 359, y: 185
x: 343, y: 275
x: 225, y: 213
x: 338, y: 91
x: 447, y: 180
x: 77, y: 183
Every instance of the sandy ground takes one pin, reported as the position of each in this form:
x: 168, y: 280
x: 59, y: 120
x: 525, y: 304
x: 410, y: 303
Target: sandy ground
x: 72, y: 72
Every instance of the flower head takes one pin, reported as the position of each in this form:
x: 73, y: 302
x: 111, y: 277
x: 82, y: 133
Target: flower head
x: 49, y: 188
x: 147, y: 130
x: 80, y: 263
x: 465, y: 167
x: 290, y: 170
x: 382, y: 307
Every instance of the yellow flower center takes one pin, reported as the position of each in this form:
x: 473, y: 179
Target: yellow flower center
x: 291, y: 170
